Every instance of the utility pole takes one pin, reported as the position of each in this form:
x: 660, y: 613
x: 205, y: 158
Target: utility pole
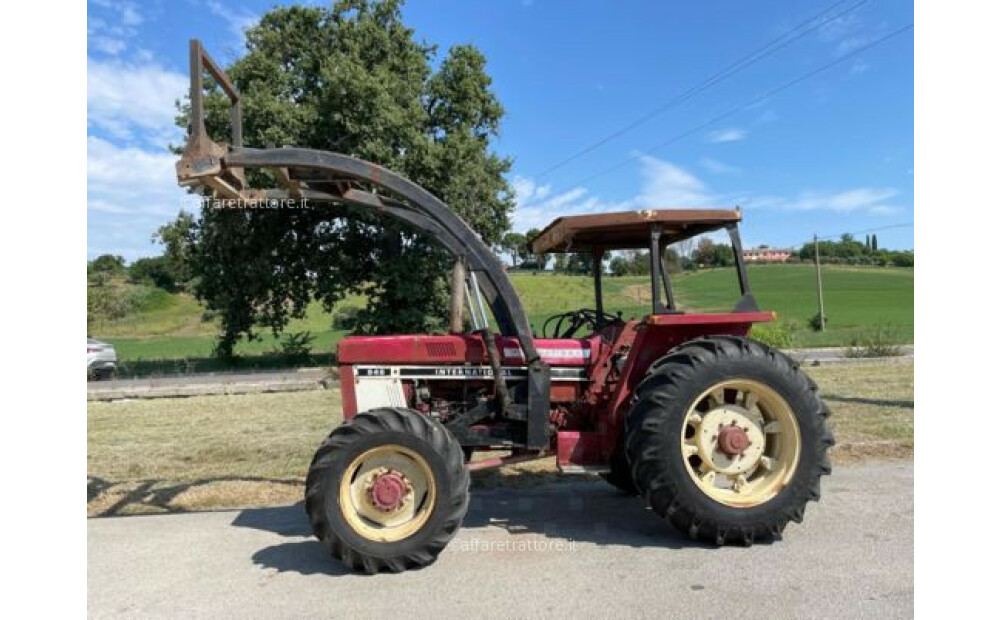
x: 819, y: 284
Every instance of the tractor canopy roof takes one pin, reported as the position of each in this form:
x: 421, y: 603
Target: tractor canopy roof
x: 628, y: 229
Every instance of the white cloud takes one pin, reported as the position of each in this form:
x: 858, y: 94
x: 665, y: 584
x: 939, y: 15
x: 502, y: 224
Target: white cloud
x: 846, y: 33
x: 108, y: 45
x: 730, y: 134
x: 123, y: 97
x: 664, y: 185
x: 859, y: 66
x: 110, y: 24
x: 129, y: 180
x: 537, y: 208
x: 130, y: 192
x: 717, y: 167
x: 130, y: 15
x: 870, y: 200
x: 883, y: 210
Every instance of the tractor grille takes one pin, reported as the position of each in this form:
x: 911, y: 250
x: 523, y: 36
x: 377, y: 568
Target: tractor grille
x: 441, y: 349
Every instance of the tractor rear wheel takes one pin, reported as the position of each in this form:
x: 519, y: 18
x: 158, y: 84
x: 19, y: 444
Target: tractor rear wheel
x: 727, y: 440
x: 620, y: 477
x: 387, y: 490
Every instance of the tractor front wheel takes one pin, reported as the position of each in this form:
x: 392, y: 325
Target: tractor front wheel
x: 387, y: 490
x: 727, y: 440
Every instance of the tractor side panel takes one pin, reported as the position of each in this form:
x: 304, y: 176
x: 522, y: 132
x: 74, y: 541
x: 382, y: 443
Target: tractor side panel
x: 385, y: 371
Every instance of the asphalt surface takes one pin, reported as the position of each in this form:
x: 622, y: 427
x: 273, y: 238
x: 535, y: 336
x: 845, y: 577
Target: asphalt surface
x: 851, y: 558
x: 201, y: 384
x: 835, y: 355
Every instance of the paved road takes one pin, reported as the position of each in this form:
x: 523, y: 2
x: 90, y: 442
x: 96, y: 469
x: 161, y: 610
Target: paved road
x: 852, y: 558
x: 836, y: 355
x: 199, y: 384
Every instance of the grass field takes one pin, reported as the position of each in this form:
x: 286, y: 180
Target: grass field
x: 173, y: 336
x: 208, y: 452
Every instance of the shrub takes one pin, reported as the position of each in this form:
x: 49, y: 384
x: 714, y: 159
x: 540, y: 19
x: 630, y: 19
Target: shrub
x: 778, y: 334
x: 817, y: 324
x: 104, y: 303
x: 880, y: 340
x: 345, y: 317
x: 903, y: 259
x: 145, y: 298
x: 297, y: 346
x: 157, y: 271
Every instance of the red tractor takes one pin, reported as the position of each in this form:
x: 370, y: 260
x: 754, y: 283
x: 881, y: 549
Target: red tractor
x: 721, y: 435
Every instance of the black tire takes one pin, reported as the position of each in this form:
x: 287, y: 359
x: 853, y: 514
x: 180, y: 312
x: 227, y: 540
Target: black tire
x: 656, y: 420
x: 378, y: 427
x: 102, y: 374
x: 620, y: 475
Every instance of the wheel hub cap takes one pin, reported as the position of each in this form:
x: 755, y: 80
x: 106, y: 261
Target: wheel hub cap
x: 730, y: 440
x: 389, y: 489
x: 733, y: 440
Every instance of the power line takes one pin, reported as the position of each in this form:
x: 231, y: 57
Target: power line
x: 748, y: 104
x: 750, y: 59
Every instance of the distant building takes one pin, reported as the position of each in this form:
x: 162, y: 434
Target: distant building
x: 764, y: 254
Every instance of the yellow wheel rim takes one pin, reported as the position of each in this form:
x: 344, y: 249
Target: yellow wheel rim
x: 741, y: 443
x: 387, y: 493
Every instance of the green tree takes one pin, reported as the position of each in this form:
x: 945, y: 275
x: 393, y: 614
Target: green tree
x: 177, y: 239
x: 157, y: 271
x: 582, y: 262
x: 673, y: 259
x: 515, y: 244
x: 620, y: 266
x: 707, y: 253
x: 851, y: 252
x: 107, y: 265
x: 350, y: 78
x: 539, y: 260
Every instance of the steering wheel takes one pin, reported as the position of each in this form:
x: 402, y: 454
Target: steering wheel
x: 567, y: 324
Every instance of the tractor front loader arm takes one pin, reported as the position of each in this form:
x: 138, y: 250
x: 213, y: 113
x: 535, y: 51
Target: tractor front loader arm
x: 329, y: 178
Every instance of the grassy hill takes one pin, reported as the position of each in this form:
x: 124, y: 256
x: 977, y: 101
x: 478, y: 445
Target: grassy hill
x: 856, y: 299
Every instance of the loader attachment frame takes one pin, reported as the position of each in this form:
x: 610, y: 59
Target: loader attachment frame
x: 328, y: 178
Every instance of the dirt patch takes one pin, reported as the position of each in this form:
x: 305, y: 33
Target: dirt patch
x: 857, y: 452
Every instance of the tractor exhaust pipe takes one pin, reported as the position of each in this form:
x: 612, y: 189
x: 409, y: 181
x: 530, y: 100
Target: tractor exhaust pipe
x: 457, y: 322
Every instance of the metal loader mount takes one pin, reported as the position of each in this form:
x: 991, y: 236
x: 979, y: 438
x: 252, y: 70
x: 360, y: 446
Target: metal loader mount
x: 683, y: 409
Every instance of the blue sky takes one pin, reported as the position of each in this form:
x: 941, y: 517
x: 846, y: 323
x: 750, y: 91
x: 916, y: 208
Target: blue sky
x: 831, y: 154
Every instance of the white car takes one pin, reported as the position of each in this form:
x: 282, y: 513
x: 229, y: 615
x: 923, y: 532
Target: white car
x: 102, y: 360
